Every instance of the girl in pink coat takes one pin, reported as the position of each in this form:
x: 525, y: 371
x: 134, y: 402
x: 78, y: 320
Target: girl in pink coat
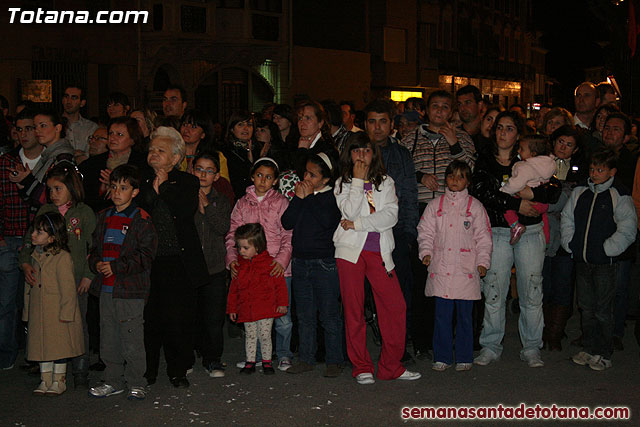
x: 454, y: 238
x: 264, y: 205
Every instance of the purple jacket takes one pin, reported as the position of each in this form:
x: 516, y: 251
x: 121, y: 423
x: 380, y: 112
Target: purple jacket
x: 455, y: 231
x: 268, y: 213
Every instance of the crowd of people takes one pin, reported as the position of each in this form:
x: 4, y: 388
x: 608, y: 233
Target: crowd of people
x: 147, y: 233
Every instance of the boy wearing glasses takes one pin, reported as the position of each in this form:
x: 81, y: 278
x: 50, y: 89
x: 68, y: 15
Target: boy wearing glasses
x: 212, y: 219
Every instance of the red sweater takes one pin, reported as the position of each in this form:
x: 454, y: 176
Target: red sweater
x: 255, y: 295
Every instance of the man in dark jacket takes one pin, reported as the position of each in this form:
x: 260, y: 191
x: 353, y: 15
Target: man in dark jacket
x: 399, y: 165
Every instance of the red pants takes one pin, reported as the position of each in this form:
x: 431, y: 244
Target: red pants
x: 391, y: 311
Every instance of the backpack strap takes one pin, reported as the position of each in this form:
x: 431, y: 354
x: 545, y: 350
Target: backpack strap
x: 469, y: 206
x: 415, y: 141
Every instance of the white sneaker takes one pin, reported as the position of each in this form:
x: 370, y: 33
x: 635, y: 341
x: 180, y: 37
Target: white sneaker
x: 485, y: 357
x: 365, y: 378
x: 241, y: 364
x: 137, y: 393
x: 533, y: 359
x: 410, y: 376
x: 284, y: 364
x: 599, y: 363
x: 104, y: 390
x: 440, y: 366
x: 582, y: 358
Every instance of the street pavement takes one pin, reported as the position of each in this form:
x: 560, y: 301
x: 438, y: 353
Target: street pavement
x: 310, y: 399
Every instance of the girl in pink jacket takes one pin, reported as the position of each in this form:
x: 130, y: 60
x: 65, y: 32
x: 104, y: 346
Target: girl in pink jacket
x: 454, y: 238
x: 264, y: 205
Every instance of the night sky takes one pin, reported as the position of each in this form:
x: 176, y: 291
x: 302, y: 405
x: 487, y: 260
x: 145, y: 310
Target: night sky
x: 571, y: 30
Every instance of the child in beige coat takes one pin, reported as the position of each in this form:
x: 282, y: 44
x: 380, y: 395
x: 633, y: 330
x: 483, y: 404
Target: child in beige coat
x: 51, y: 305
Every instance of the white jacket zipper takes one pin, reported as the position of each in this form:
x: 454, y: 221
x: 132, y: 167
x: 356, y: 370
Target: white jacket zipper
x: 586, y: 231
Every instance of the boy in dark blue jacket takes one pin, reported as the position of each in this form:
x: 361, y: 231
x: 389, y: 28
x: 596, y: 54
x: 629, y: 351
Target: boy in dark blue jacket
x: 598, y: 224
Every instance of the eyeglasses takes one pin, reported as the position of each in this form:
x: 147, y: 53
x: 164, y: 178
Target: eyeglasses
x: 198, y: 169
x: 26, y: 129
x: 191, y: 125
x: 97, y: 138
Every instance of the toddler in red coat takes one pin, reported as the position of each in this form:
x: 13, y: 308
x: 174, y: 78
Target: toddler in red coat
x: 255, y: 297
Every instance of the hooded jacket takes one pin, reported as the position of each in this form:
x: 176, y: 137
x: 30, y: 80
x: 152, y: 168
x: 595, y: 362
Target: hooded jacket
x: 254, y: 294
x: 268, y: 213
x: 599, y: 222
x: 455, y: 231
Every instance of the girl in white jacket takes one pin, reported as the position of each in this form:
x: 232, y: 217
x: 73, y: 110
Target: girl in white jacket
x: 367, y: 200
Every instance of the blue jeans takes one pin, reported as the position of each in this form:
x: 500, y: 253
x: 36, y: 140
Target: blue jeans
x: 316, y: 288
x: 528, y: 255
x: 596, y: 288
x: 557, y: 283
x: 9, y: 286
x: 623, y: 279
x: 443, y: 331
x: 284, y: 329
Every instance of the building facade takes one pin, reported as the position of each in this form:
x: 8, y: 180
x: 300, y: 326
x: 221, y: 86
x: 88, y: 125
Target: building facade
x: 448, y: 44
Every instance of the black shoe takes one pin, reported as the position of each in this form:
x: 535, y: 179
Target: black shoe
x: 617, y: 344
x: 32, y: 369
x: 180, y: 382
x: 267, y: 368
x: 422, y: 354
x: 98, y: 366
x: 577, y: 342
x: 407, y: 360
x: 249, y: 368
x: 81, y: 381
x: 28, y: 366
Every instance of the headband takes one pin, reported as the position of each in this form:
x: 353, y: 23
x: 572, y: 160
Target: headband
x: 53, y: 229
x: 325, y: 159
x: 268, y: 159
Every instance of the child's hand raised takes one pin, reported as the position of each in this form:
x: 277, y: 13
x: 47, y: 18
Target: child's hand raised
x: 426, y: 260
x: 233, y: 316
x: 203, y: 202
x: 360, y: 169
x: 449, y: 132
x: 482, y: 270
x: 278, y: 270
x: 234, y: 269
x: 282, y: 309
x: 303, y: 189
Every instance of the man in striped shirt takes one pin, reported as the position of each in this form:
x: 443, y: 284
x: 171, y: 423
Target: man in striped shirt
x: 433, y: 146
